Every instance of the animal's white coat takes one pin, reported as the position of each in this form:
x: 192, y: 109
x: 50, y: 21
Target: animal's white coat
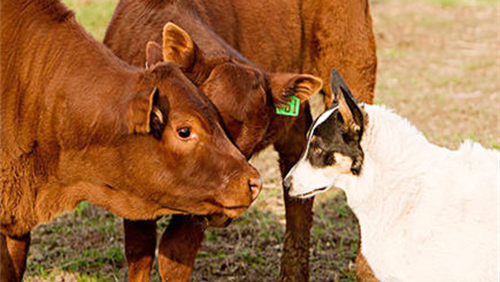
x: 426, y: 213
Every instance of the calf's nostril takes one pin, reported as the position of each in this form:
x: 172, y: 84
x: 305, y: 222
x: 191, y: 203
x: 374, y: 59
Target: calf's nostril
x: 255, y: 184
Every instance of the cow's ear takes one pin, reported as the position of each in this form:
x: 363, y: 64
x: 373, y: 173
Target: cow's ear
x: 153, y: 54
x: 351, y: 112
x: 147, y: 113
x: 303, y: 86
x: 178, y: 46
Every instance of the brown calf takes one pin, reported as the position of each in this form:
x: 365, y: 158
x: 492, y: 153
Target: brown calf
x: 285, y: 35
x: 77, y: 123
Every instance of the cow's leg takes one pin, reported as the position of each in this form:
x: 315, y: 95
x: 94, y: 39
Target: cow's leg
x: 14, y: 251
x: 7, y: 271
x: 299, y: 216
x: 179, y: 245
x: 140, y: 245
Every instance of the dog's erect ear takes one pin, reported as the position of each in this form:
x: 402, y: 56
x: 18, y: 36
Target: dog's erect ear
x: 178, y: 46
x: 153, y: 54
x: 303, y: 86
x: 351, y: 113
x: 147, y: 113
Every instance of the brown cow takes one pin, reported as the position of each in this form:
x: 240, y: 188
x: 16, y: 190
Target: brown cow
x: 283, y: 35
x: 77, y: 123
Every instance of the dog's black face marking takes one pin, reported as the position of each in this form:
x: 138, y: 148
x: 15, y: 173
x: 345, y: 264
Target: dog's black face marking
x: 331, y: 137
x: 333, y: 147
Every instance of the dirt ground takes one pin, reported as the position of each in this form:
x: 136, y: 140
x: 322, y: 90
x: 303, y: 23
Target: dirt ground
x: 439, y: 66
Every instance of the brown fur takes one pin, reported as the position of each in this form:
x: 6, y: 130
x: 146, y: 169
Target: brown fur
x: 178, y: 259
x: 244, y: 94
x: 14, y: 251
x: 364, y: 272
x: 277, y: 36
x: 77, y: 123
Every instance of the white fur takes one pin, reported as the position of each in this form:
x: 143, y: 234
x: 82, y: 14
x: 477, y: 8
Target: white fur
x: 426, y: 213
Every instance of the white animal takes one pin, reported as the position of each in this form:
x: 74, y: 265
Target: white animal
x: 426, y: 213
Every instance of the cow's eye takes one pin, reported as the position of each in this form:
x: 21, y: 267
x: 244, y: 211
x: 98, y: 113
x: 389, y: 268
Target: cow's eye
x: 184, y: 132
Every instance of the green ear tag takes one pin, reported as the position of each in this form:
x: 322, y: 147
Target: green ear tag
x: 290, y: 109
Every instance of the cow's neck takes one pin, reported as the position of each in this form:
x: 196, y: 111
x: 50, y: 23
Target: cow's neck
x: 208, y: 40
x: 56, y: 59
x: 64, y: 92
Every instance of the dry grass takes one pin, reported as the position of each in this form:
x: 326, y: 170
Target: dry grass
x: 439, y: 65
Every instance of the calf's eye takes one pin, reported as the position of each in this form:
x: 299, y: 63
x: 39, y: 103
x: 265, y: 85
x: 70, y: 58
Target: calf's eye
x: 184, y: 133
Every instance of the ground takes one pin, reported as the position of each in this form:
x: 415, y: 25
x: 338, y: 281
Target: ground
x: 439, y: 66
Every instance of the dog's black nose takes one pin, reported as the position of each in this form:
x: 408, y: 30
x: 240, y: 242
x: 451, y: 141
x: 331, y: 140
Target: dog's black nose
x: 287, y: 183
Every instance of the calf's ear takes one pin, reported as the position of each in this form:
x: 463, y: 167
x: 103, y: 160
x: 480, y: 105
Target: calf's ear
x: 303, y: 86
x: 147, y: 113
x: 153, y: 54
x: 351, y: 113
x: 178, y: 46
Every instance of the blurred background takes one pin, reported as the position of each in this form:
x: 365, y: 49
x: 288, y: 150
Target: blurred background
x: 439, y: 66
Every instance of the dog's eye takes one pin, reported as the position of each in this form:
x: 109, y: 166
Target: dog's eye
x: 317, y: 152
x: 329, y: 159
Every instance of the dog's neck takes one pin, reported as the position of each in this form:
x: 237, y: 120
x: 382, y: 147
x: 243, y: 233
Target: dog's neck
x: 394, y: 151
x: 391, y: 141
x: 388, y: 186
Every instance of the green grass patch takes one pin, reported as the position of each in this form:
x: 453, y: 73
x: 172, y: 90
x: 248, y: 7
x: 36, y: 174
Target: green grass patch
x: 93, y: 15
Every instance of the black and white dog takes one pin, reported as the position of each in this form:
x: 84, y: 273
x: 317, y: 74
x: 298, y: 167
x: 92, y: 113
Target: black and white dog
x: 426, y: 213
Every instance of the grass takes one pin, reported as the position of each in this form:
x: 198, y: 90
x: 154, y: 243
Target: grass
x: 94, y: 15
x: 439, y: 65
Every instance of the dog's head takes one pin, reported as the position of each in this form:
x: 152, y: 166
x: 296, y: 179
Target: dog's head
x: 333, y: 147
